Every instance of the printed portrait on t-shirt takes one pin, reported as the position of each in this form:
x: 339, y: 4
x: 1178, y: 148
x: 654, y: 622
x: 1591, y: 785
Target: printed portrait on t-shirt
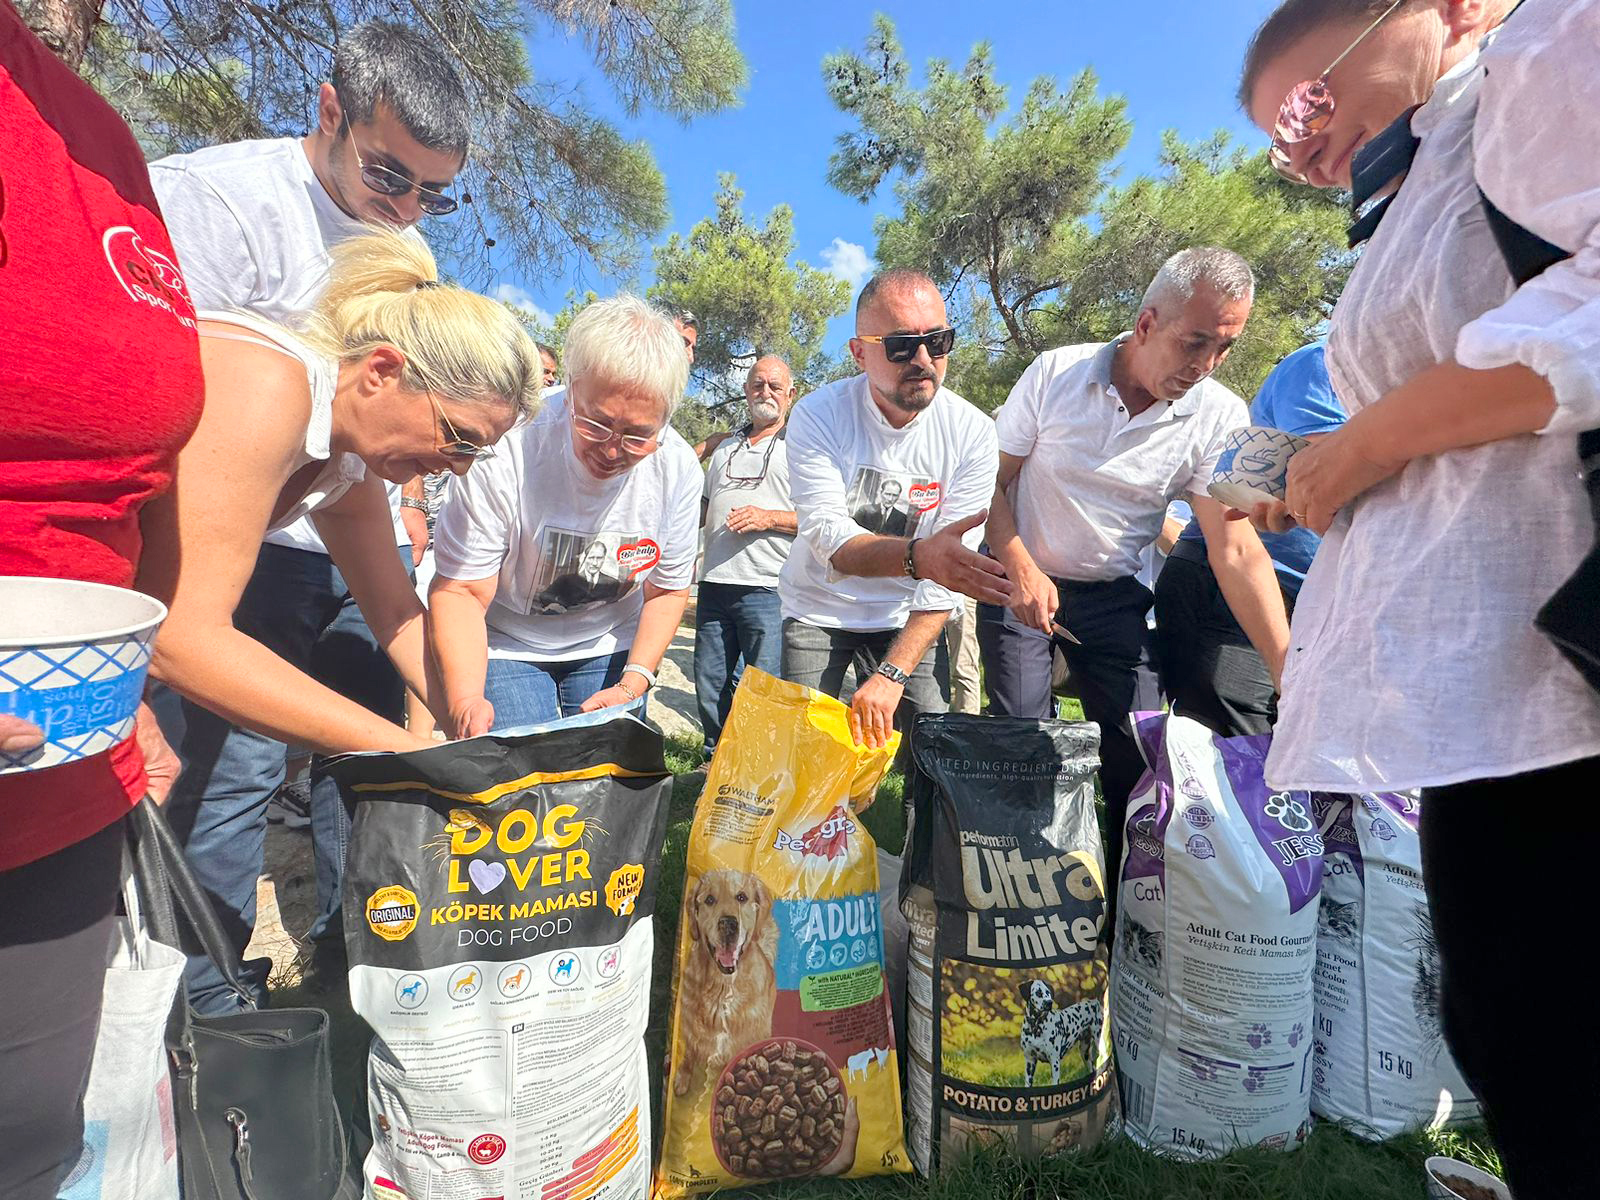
x: 890, y: 504
x: 579, y: 570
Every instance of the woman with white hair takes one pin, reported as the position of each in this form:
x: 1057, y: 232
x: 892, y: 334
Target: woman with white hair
x: 564, y: 562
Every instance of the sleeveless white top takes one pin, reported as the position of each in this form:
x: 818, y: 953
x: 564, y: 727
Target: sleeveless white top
x: 341, y: 471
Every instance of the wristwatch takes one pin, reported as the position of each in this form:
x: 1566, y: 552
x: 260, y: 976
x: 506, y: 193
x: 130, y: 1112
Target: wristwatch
x: 412, y: 502
x: 892, y: 673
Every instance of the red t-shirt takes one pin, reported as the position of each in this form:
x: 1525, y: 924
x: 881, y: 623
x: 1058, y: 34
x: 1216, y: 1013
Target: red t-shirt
x: 99, y: 383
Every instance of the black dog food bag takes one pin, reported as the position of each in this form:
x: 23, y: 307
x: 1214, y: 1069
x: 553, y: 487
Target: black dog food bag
x: 1004, y: 890
x: 498, y: 909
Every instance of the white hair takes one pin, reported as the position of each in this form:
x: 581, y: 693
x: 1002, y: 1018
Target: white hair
x: 1222, y: 270
x: 628, y: 343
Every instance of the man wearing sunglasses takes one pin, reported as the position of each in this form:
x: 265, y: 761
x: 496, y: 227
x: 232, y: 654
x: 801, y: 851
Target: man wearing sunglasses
x: 749, y: 521
x: 253, y: 223
x: 854, y: 596
x: 1095, y: 441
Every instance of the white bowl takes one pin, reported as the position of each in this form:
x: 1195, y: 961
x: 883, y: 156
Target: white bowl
x: 73, y: 658
x: 1438, y: 1165
x: 1254, y: 466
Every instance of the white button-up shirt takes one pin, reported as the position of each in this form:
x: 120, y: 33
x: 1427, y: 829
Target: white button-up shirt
x: 1096, y: 484
x: 1414, y: 661
x: 851, y: 472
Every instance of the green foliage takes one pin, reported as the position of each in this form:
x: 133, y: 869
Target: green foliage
x: 751, y: 297
x: 544, y: 175
x: 1015, y: 213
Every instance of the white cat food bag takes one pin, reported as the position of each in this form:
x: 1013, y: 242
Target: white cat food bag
x: 1381, y: 1067
x: 1211, y: 979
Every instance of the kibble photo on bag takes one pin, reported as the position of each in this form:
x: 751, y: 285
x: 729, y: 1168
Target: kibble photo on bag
x: 1004, y: 890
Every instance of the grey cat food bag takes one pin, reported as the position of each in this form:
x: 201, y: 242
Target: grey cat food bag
x: 1004, y: 891
x: 1381, y: 1065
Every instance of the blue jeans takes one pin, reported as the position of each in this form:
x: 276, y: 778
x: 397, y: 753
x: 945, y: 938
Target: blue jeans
x: 734, y: 627
x: 530, y: 693
x: 297, y: 605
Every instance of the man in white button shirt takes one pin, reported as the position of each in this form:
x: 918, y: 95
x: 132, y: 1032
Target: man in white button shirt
x: 252, y: 222
x: 750, y: 527
x: 1095, y: 441
x: 853, y: 596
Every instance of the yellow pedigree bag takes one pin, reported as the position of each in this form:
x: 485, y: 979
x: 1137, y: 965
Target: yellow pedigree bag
x: 783, y: 1055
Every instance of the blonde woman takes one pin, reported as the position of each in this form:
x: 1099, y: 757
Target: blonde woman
x: 394, y: 376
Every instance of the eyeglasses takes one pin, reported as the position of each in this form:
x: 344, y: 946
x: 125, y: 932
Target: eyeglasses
x: 386, y: 181
x: 457, y: 446
x: 902, y: 347
x: 632, y: 443
x: 1308, y: 108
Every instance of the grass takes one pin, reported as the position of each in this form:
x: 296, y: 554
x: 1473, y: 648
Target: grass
x: 1333, y: 1165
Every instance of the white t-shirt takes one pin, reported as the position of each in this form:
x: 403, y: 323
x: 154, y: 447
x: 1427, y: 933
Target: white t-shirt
x: 572, y: 552
x: 851, y: 472
x: 741, y: 474
x: 252, y: 225
x: 1096, y: 484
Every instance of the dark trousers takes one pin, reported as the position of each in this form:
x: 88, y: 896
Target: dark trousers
x: 1511, y: 962
x: 1110, y: 667
x: 298, y: 606
x: 1209, y: 670
x: 735, y: 626
x: 57, y: 918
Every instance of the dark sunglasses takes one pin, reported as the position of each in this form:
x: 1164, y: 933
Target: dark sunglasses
x: 388, y: 182
x: 902, y: 347
x: 1308, y: 108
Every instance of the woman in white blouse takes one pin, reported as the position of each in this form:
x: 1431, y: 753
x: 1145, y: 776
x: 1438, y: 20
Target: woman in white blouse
x: 564, y: 562
x: 1454, y: 507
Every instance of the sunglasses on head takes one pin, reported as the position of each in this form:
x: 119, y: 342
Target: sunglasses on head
x: 1308, y: 108
x: 386, y: 181
x: 902, y: 347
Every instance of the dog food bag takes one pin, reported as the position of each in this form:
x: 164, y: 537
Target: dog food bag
x: 1216, y: 945
x: 1380, y: 1063
x: 497, y: 908
x: 783, y: 1057
x: 1004, y: 890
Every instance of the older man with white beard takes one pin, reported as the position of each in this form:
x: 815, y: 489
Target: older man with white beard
x: 750, y: 526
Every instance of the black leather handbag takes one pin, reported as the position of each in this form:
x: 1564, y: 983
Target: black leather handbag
x: 252, y: 1092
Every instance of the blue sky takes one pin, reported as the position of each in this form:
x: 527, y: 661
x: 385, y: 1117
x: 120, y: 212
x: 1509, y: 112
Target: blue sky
x: 1176, y: 62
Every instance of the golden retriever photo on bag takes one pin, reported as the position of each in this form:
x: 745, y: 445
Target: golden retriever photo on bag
x: 728, y: 985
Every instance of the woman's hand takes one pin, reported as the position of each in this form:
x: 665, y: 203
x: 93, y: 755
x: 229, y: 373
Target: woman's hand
x: 1330, y: 473
x: 18, y: 736
x: 609, y: 698
x: 161, y: 762
x: 471, y: 717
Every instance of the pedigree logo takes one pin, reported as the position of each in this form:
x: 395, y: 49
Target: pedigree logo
x: 829, y: 839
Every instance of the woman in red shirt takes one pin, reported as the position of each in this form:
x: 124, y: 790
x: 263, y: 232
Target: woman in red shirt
x: 100, y: 388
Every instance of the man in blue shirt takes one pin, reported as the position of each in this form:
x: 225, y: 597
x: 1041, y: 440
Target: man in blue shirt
x: 1209, y: 670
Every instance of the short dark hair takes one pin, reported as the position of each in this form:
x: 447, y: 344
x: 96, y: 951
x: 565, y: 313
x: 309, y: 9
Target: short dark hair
x: 551, y: 351
x: 384, y: 62
x: 1290, y: 22
x: 894, y: 279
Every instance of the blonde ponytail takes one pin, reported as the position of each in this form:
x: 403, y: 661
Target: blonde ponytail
x: 384, y: 289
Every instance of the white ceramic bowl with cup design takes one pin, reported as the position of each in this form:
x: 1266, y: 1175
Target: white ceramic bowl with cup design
x: 73, y: 658
x: 1439, y: 1169
x: 1254, y: 467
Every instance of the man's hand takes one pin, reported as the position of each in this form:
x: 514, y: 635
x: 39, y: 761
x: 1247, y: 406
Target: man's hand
x: 1036, y: 601
x: 945, y: 560
x: 161, y: 763
x: 18, y: 736
x: 1270, y: 516
x: 416, y: 523
x: 872, y: 711
x: 1327, y: 475
x: 471, y: 717
x: 608, y: 698
x: 750, y: 519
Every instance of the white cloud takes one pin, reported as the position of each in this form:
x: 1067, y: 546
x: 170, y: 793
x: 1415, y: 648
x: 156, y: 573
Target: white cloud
x: 848, y: 261
x: 520, y: 298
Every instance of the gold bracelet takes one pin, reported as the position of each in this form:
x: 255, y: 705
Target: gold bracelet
x: 627, y: 691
